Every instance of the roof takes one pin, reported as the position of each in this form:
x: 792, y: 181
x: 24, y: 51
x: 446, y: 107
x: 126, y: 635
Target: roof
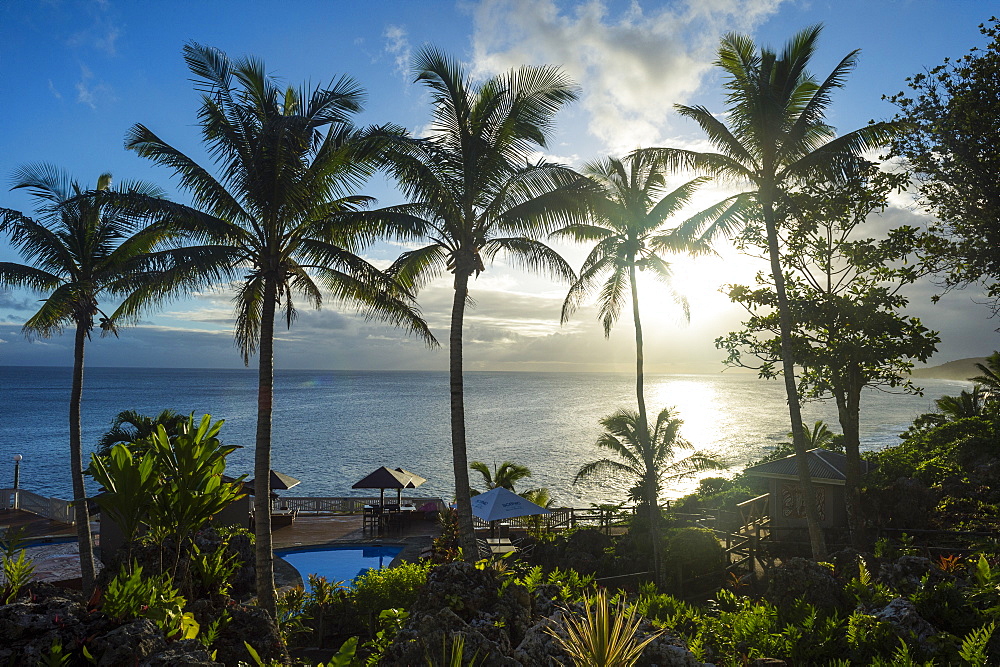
x: 823, y: 465
x: 384, y: 478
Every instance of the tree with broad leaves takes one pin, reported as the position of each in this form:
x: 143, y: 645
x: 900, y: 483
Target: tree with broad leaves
x: 845, y: 300
x: 269, y: 223
x: 773, y: 138
x: 79, y: 253
x: 952, y: 119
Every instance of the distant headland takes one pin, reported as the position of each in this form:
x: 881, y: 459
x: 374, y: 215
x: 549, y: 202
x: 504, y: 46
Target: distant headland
x: 960, y: 369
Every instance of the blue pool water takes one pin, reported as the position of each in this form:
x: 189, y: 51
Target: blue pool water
x: 344, y: 563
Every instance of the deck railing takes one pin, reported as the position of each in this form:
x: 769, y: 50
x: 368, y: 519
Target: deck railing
x: 344, y: 505
x: 50, y: 508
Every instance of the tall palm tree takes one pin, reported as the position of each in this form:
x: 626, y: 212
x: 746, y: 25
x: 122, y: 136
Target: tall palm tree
x: 648, y: 458
x: 268, y: 223
x: 79, y: 253
x: 629, y: 215
x: 775, y: 137
x: 473, y: 193
x: 508, y: 474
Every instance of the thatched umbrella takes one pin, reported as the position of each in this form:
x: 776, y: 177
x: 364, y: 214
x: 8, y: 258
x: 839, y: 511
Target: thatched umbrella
x: 385, y: 478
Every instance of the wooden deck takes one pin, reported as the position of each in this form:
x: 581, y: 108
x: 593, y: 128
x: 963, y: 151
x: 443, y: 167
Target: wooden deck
x: 32, y: 525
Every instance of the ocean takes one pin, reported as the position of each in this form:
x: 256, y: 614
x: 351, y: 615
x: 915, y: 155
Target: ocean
x: 331, y: 428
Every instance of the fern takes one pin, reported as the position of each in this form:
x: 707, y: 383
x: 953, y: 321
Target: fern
x: 974, y: 646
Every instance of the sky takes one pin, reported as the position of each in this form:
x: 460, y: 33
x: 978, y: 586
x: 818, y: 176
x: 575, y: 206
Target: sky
x: 77, y: 74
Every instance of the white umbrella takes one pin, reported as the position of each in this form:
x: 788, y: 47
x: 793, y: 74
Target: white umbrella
x: 499, y: 503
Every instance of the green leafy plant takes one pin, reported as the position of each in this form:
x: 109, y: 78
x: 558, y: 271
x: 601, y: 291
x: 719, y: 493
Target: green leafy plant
x: 603, y: 636
x: 389, y: 588
x: 212, y: 571
x: 320, y: 601
x: 974, y: 649
x: 18, y: 570
x: 292, y: 605
x: 56, y: 656
x: 210, y: 632
x: 390, y: 622
x: 867, y: 592
x: 131, y: 595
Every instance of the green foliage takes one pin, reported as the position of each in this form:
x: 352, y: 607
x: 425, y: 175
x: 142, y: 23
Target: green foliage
x: 212, y: 571
x: 56, y: 656
x: 172, y: 490
x: 932, y: 454
x: 390, y: 622
x: 131, y: 595
x: 292, y: 613
x: 948, y: 109
x: 975, y: 644
x: 18, y: 570
x: 694, y: 551
x: 389, y: 587
x: 604, y: 636
x: 865, y: 592
x: 568, y: 585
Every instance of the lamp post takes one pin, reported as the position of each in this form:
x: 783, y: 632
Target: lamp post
x: 17, y: 477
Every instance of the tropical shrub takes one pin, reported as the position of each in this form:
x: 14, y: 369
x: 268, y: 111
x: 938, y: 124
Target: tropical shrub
x: 692, y: 552
x: 131, y: 595
x: 603, y: 636
x: 170, y: 491
x: 389, y: 588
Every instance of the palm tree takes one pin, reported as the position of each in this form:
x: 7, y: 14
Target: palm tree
x: 78, y: 253
x: 966, y: 404
x: 130, y: 427
x: 775, y: 139
x: 503, y: 477
x: 268, y: 223
x: 630, y: 213
x: 990, y: 378
x: 647, y: 458
x: 474, y: 194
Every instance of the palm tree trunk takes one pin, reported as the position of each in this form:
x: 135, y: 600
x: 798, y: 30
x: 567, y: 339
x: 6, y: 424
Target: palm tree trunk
x: 460, y: 457
x: 86, y: 542
x: 816, y: 539
x: 640, y: 396
x: 652, y: 492
x: 262, y: 454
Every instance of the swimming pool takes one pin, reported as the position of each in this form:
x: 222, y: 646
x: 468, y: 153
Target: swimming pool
x: 340, y: 563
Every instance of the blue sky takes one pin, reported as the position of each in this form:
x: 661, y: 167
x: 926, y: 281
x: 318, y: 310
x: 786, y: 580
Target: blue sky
x: 78, y: 73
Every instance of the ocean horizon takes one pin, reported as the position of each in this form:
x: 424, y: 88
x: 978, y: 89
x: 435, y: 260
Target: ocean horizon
x: 333, y: 427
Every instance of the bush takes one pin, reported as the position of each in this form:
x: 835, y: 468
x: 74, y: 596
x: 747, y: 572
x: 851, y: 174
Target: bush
x: 389, y: 588
x: 691, y: 553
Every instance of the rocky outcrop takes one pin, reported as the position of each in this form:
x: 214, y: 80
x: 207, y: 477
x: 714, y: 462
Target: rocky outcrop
x: 128, y: 643
x: 502, y: 629
x: 45, y: 617
x: 252, y: 625
x: 804, y: 579
x: 906, y: 622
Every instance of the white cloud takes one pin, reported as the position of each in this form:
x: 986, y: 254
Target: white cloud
x: 398, y: 46
x: 90, y: 91
x: 52, y: 89
x: 632, y: 66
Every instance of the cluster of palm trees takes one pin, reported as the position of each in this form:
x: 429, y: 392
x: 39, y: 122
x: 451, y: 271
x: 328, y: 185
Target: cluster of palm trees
x: 279, y: 219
